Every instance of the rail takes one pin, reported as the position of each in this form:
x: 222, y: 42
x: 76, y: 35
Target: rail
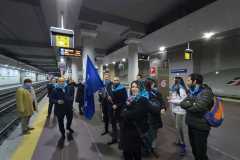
x: 8, y: 115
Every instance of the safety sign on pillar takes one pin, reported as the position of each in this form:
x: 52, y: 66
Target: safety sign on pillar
x: 153, y: 71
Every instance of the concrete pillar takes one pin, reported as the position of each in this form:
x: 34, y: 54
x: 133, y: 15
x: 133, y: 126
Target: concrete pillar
x: 76, y: 69
x: 132, y: 59
x: 88, y: 48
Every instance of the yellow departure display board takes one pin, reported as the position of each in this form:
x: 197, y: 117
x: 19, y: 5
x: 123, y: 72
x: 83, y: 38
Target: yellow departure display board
x: 187, y: 56
x: 61, y: 37
x: 62, y: 41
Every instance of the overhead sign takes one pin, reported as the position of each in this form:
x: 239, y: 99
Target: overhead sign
x: 63, y: 41
x: 179, y: 71
x: 62, y: 37
x: 70, y: 52
x: 188, y: 54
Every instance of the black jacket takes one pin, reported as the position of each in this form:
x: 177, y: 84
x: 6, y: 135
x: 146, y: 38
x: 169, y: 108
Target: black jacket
x: 80, y: 93
x: 50, y: 87
x: 154, y: 119
x: 67, y: 97
x: 135, y: 118
x: 119, y: 95
x: 104, y: 93
x: 197, y: 106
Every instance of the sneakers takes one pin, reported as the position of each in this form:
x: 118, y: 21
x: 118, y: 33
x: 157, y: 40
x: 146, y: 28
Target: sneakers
x: 182, y: 149
x: 30, y: 128
x: 26, y: 132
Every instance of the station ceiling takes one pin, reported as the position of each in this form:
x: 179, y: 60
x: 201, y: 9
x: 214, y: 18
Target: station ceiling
x: 24, y: 24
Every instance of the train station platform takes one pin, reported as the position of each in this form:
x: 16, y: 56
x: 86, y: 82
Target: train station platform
x: 88, y: 144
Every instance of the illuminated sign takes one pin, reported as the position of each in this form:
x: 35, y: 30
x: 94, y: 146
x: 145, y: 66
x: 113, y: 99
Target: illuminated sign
x: 62, y: 41
x: 69, y: 52
x: 187, y: 56
x: 61, y: 37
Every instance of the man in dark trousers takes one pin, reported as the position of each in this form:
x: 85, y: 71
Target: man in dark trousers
x: 80, y: 97
x: 197, y: 104
x: 63, y: 96
x: 119, y: 97
x: 105, y: 100
x: 50, y: 87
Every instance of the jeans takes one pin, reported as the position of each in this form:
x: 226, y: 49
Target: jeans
x: 180, y: 123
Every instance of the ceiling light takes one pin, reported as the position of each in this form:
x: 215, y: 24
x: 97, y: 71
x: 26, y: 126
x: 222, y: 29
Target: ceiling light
x: 208, y: 35
x: 217, y: 72
x: 113, y: 62
x: 61, y: 60
x: 106, y: 64
x: 162, y: 48
x: 124, y: 60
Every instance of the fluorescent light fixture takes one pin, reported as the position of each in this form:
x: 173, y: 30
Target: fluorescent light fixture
x: 208, y: 35
x: 113, y: 62
x: 162, y: 48
x: 106, y: 64
x: 217, y: 72
x: 61, y: 60
x: 124, y: 59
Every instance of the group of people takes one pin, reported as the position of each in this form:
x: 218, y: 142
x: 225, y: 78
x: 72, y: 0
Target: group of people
x: 136, y: 117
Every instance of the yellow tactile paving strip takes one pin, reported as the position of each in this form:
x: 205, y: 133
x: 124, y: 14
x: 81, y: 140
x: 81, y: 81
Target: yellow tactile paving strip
x: 29, y: 142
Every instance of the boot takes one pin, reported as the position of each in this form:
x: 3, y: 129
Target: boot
x: 182, y: 149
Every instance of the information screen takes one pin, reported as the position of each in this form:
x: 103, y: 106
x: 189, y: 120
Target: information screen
x: 61, y: 37
x: 62, y: 41
x: 69, y: 52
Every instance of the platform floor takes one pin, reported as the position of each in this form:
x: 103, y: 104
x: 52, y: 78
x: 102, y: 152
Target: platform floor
x: 88, y: 144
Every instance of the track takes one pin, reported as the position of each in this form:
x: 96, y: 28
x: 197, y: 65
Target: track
x: 8, y: 116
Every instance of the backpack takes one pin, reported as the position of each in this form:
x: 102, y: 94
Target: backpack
x: 215, y: 117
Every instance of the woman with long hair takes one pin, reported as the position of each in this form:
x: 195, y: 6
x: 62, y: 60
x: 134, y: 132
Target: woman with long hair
x: 134, y: 122
x: 178, y: 94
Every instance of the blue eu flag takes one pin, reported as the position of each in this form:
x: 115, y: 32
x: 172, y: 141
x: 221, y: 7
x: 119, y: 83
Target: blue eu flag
x: 93, y: 83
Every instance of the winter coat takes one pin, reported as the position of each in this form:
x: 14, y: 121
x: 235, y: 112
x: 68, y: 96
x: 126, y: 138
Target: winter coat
x: 197, y: 106
x: 119, y: 95
x: 67, y: 97
x: 154, y: 117
x: 24, y: 102
x: 135, y: 118
x: 80, y: 93
x: 50, y: 87
x: 103, y: 95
